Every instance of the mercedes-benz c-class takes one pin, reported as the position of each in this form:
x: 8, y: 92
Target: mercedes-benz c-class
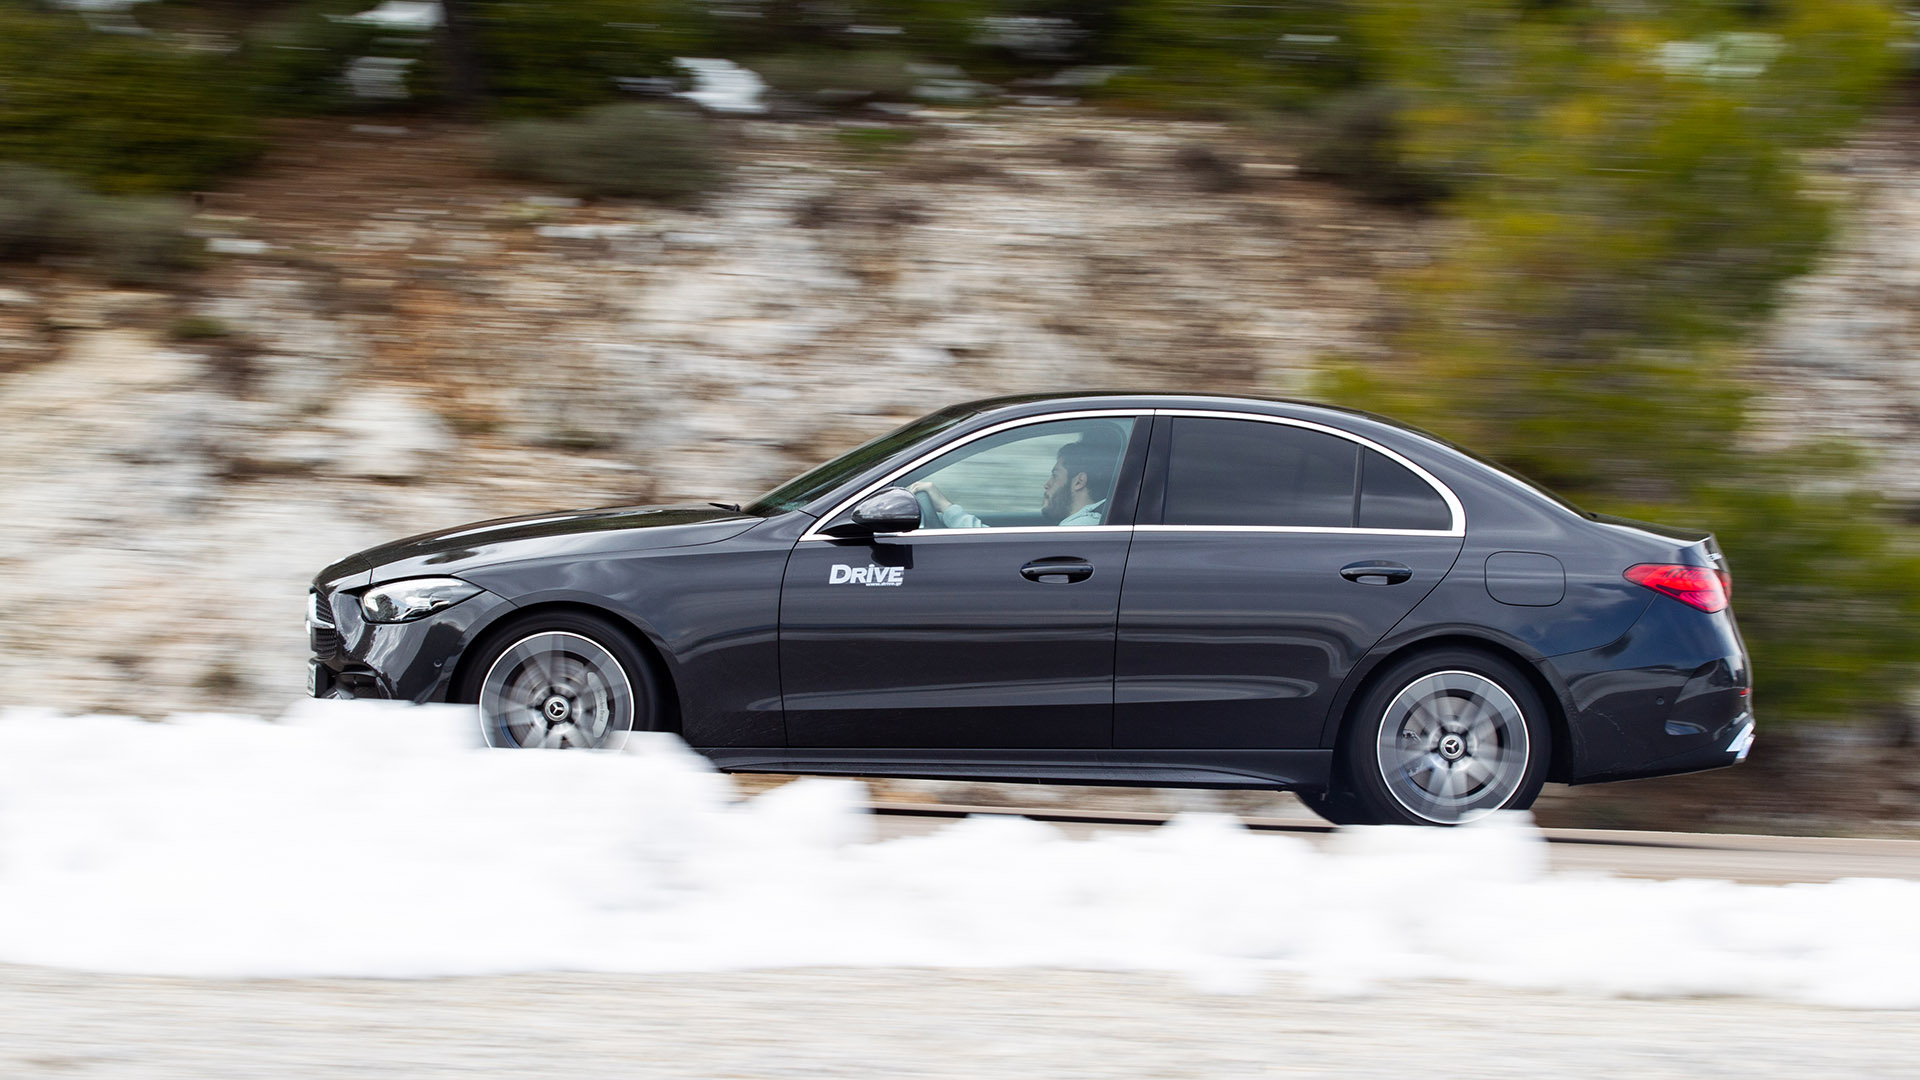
x: 1087, y: 588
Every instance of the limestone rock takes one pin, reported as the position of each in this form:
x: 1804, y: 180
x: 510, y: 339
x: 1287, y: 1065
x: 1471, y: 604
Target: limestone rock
x: 386, y: 434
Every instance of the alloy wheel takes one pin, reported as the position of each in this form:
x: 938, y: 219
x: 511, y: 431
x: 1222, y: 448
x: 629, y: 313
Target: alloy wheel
x: 556, y: 690
x: 1452, y: 747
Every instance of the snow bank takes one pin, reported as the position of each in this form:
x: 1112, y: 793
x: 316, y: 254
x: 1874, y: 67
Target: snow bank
x: 349, y: 839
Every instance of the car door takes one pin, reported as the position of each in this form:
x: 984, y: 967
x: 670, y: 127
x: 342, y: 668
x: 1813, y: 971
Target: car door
x: 1269, y: 557
x: 987, y: 628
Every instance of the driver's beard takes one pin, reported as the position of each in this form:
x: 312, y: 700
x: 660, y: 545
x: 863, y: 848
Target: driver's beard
x: 1053, y: 508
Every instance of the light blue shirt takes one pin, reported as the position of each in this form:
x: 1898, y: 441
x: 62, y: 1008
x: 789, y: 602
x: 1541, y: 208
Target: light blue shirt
x: 1089, y: 514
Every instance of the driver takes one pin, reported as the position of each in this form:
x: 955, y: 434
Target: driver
x: 1076, y: 492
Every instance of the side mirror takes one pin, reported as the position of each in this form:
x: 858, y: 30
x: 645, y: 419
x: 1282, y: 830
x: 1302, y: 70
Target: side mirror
x: 893, y: 510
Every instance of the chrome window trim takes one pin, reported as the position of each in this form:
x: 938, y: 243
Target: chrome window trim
x: 945, y: 448
x: 1454, y: 507
x: 999, y: 530
x: 1327, y: 529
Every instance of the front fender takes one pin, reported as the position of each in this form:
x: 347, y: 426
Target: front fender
x: 710, y: 613
x: 577, y: 600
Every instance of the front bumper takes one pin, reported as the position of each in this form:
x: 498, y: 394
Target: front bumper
x: 411, y: 661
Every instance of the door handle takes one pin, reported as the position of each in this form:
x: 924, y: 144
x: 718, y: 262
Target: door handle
x: 1376, y: 573
x: 1057, y: 570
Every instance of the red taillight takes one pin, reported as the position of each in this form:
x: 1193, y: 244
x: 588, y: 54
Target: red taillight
x: 1703, y: 587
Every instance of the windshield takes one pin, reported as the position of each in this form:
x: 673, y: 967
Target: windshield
x: 809, y: 486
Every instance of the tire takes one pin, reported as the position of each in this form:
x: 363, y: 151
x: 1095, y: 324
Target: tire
x: 561, y: 680
x: 1442, y: 737
x: 1335, y: 806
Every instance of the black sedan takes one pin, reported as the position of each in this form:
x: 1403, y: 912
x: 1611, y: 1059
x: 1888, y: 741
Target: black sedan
x: 1097, y: 589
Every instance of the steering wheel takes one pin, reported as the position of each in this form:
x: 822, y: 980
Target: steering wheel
x: 928, y: 515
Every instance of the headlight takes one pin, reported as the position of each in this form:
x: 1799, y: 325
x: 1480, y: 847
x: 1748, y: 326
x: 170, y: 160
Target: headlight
x: 405, y: 601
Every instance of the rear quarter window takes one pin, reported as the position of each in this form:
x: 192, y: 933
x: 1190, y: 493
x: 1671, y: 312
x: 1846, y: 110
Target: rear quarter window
x: 1392, y: 497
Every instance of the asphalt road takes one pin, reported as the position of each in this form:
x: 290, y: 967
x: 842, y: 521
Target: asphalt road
x: 888, y: 1025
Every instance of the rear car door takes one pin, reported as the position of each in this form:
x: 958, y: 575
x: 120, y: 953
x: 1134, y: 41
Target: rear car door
x: 990, y: 627
x: 1269, y: 556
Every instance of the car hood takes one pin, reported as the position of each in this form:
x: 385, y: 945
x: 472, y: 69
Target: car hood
x: 573, y: 532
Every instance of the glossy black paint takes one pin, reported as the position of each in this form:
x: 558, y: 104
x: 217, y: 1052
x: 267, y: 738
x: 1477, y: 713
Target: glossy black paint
x: 711, y: 621
x: 1208, y: 658
x: 969, y: 653
x: 1242, y: 639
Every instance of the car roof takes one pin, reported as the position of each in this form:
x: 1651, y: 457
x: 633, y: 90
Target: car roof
x: 1013, y: 405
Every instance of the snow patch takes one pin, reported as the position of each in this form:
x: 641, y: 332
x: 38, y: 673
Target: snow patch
x: 416, y: 16
x: 359, y: 839
x: 723, y: 86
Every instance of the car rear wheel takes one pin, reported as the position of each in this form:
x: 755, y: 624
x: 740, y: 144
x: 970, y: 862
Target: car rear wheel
x: 1441, y: 738
x: 1334, y: 805
x: 566, y: 680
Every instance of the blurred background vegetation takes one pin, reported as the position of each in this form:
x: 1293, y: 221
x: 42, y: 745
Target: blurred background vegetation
x: 1623, y: 182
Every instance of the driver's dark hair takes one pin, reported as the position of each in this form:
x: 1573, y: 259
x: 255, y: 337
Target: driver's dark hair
x: 1096, y: 453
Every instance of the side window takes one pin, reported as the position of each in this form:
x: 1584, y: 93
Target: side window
x: 1392, y: 497
x: 1059, y: 472
x: 1245, y: 472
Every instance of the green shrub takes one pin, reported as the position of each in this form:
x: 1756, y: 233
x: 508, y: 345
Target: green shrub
x: 127, y: 113
x: 949, y: 31
x: 129, y: 239
x: 551, y: 57
x: 38, y: 210
x: 1358, y: 142
x: 1219, y: 58
x: 625, y: 150
x: 838, y: 77
x: 295, y: 59
x: 1826, y: 586
x: 137, y: 239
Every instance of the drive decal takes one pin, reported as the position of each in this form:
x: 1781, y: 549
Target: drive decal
x: 842, y: 574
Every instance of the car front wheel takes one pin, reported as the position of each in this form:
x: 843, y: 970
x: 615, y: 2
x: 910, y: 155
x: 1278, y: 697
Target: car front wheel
x: 559, y: 681
x: 1441, y: 738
